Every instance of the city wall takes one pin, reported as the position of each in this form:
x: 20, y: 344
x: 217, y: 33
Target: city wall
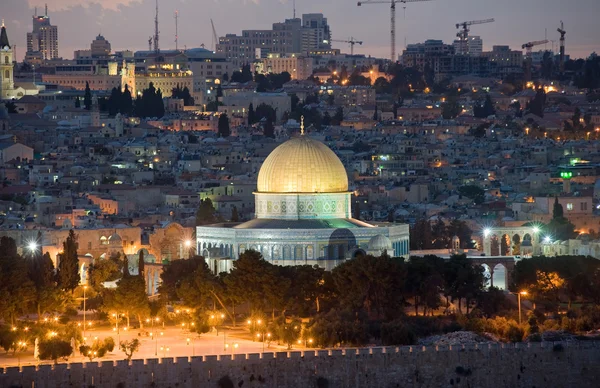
x: 497, y: 365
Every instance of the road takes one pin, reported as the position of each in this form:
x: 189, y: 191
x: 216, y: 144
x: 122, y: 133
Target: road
x: 172, y: 343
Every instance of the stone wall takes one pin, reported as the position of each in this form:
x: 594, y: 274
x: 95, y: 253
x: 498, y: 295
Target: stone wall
x: 497, y: 365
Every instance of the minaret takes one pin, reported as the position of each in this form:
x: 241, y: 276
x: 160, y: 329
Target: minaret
x: 118, y: 125
x: 6, y: 66
x: 156, y: 47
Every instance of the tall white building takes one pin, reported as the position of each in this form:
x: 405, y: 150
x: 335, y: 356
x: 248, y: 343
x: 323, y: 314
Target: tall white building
x: 474, y: 46
x: 293, y: 36
x: 44, y: 38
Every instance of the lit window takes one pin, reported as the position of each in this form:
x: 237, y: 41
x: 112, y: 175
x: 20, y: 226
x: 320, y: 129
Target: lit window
x: 569, y: 206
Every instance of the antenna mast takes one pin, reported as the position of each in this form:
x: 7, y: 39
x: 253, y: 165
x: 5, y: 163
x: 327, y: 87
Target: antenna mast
x: 176, y: 34
x: 156, y: 48
x: 294, y: 9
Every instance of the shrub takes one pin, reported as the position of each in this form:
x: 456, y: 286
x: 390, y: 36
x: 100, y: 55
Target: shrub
x: 53, y: 349
x: 515, y: 333
x: 536, y: 337
x: 397, y: 333
x: 109, y: 344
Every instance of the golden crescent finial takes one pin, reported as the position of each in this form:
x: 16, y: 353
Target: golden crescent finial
x: 302, y: 125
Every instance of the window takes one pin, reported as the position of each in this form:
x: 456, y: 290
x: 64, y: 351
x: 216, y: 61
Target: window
x: 6, y: 60
x: 7, y: 74
x: 569, y: 206
x: 583, y: 206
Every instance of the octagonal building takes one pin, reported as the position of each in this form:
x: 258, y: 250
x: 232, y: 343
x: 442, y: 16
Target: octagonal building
x: 303, y: 215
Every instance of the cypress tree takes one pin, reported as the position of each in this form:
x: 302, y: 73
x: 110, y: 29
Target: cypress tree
x: 68, y: 267
x: 87, y: 97
x: 141, y: 264
x: 223, y: 125
x: 126, y: 101
x: 251, y: 115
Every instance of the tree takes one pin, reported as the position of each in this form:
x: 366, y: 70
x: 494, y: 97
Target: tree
x: 130, y: 347
x: 338, y: 117
x: 174, y: 273
x: 371, y: 284
x: 557, y: 210
x: 68, y: 277
x: 382, y: 85
x: 223, y: 125
x: 476, y: 193
x: 206, y: 213
x: 87, y: 97
x: 537, y: 105
x: 114, y: 101
x: 141, y: 264
x: 54, y: 348
x: 126, y: 101
x: 77, y: 102
x: 265, y: 111
x: 269, y: 129
x: 129, y: 298
x: 17, y: 291
x: 48, y: 298
x: 463, y: 280
x: 252, y: 279
x: 451, y: 109
x: 251, y: 115
x: 150, y: 104
x: 234, y: 215
x: 97, y: 349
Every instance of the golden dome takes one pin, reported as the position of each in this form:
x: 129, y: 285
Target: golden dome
x: 302, y: 165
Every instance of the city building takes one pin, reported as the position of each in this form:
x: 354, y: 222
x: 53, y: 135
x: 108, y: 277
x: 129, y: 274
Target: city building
x: 293, y: 36
x: 299, y: 67
x: 504, y: 60
x: 43, y: 38
x: 473, y: 46
x: 303, y: 215
x: 100, y: 47
x: 8, y: 88
x: 419, y: 54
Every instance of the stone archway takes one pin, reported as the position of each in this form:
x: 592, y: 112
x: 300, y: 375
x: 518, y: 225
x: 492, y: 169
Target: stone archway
x: 487, y: 273
x: 494, y: 245
x: 505, y: 245
x: 499, y: 278
x: 516, y: 244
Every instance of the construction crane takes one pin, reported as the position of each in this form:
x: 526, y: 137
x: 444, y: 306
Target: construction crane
x: 392, y: 19
x: 464, y: 34
x: 350, y: 41
x: 562, y: 32
x: 528, y: 49
x: 215, y: 39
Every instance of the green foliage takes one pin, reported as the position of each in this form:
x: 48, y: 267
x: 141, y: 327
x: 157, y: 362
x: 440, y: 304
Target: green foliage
x: 174, y: 274
x: 372, y: 283
x: 223, y: 125
x: 451, y: 108
x: 197, y: 288
x: 206, y: 213
x: 54, y: 348
x: 68, y: 264
x: 17, y: 291
x: 256, y: 281
x: 287, y: 332
x: 397, y: 332
x: 537, y: 105
x: 476, y: 193
x: 128, y: 298
x: 87, y: 97
x: 242, y: 76
x: 515, y: 333
x: 235, y: 217
x: 251, y: 115
x: 265, y: 111
x: 269, y: 129
x: 130, y: 347
x: 150, y: 103
x: 104, y: 270
x: 97, y: 349
x: 485, y: 110
x: 141, y: 264
x: 183, y: 94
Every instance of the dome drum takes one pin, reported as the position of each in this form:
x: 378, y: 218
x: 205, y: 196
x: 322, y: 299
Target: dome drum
x: 302, y: 206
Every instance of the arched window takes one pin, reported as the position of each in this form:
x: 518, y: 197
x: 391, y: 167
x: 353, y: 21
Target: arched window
x: 7, y: 74
x: 6, y: 60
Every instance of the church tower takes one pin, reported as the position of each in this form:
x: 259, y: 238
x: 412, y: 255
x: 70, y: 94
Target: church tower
x: 95, y: 115
x: 7, y: 86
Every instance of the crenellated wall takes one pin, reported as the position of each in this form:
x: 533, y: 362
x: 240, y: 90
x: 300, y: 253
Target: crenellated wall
x: 498, y: 366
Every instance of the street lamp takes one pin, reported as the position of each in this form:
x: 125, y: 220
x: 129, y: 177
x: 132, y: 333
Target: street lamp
x: 486, y: 232
x: 84, y: 288
x: 524, y: 293
x: 188, y: 340
x: 32, y: 246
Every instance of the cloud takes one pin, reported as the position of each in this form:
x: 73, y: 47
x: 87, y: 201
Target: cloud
x: 63, y: 5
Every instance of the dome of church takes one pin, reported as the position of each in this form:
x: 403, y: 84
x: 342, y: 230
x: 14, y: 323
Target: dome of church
x: 380, y: 243
x: 302, y: 165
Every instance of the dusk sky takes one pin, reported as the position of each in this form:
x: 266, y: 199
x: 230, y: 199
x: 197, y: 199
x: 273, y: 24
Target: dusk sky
x: 127, y: 24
